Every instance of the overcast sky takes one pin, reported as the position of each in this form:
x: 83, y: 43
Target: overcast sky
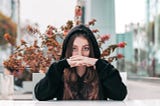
x: 46, y: 12
x: 57, y: 12
x: 128, y: 11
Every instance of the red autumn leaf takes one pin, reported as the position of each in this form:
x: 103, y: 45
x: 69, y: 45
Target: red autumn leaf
x: 92, y: 22
x: 104, y: 38
x: 78, y: 11
x: 122, y: 44
x: 119, y: 56
x: 95, y: 30
x: 7, y: 37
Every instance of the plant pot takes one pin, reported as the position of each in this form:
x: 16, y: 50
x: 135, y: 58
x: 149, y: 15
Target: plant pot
x: 6, y: 86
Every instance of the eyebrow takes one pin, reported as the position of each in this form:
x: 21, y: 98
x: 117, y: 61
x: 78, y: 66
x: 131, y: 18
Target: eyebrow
x: 86, y: 45
x: 83, y: 45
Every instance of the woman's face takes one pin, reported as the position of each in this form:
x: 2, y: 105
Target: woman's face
x: 81, y: 47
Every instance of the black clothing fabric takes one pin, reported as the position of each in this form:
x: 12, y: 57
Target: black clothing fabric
x: 51, y: 86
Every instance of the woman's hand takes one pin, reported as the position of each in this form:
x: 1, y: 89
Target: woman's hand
x: 79, y: 60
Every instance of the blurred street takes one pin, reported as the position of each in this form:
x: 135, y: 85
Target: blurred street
x: 140, y: 89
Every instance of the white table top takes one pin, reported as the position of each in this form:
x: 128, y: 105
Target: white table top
x: 149, y: 102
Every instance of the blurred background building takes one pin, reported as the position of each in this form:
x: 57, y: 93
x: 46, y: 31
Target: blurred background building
x: 145, y: 43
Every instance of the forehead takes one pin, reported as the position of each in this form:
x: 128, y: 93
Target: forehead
x: 80, y: 40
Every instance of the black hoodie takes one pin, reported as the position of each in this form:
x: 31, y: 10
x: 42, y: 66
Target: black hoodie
x: 52, y: 85
x: 89, y: 34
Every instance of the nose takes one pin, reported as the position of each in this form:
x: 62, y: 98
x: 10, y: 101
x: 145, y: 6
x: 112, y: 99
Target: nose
x: 79, y: 52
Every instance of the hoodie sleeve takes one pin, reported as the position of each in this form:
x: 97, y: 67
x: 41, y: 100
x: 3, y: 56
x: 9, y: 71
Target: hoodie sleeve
x: 47, y: 88
x: 112, y: 85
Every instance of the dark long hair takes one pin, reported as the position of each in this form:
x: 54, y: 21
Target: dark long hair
x: 90, y: 90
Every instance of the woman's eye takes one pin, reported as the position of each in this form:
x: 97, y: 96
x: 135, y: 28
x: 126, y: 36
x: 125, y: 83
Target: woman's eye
x: 74, y: 48
x: 86, y: 48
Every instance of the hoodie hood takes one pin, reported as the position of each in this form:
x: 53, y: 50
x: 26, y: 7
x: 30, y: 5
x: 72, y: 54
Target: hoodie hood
x: 89, y: 34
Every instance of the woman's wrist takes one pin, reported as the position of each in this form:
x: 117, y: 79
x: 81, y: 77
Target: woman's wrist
x: 95, y: 61
x: 81, y: 61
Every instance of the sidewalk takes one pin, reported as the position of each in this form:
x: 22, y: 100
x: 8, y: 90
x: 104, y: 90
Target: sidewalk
x: 141, y: 89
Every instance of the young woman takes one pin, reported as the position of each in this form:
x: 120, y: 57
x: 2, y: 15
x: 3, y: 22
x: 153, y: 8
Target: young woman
x: 80, y: 74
